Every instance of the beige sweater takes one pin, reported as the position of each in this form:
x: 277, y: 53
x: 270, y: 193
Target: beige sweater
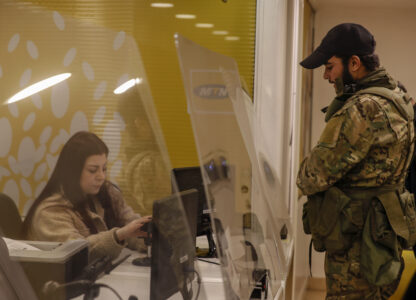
x: 56, y: 220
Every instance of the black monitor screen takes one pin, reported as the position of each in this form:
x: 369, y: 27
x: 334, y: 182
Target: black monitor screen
x: 191, y: 178
x: 173, y: 245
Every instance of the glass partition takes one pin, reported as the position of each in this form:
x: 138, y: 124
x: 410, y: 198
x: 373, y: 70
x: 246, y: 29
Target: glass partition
x: 82, y: 151
x: 240, y: 184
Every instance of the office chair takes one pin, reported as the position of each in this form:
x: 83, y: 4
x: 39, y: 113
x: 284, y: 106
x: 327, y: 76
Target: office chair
x: 11, y: 224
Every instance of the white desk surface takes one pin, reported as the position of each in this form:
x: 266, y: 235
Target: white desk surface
x: 128, y: 279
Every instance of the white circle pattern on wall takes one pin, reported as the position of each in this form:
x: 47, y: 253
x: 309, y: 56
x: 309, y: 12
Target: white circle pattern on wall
x: 25, y: 78
x: 40, y: 153
x: 45, y: 135
x: 64, y: 135
x: 69, y: 56
x: 4, y: 172
x: 30, y: 119
x: 14, y: 41
x: 6, y: 136
x: 51, y: 160
x: 26, y: 156
x: 26, y: 188
x: 59, y: 140
x: 13, y: 164
x: 118, y: 118
x: 32, y: 49
x: 12, y: 190
x: 88, y: 71
x: 99, y: 115
x: 119, y: 40
x: 37, y: 100
x: 59, y: 20
x: 60, y: 99
x: 123, y: 78
x: 40, y: 171
x: 79, y: 122
x: 13, y: 109
x: 100, y: 90
x: 112, y: 138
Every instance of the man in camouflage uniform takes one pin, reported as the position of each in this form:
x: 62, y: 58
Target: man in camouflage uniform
x: 364, y: 148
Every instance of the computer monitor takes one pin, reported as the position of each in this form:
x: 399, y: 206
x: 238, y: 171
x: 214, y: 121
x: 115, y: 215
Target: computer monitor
x: 173, y: 245
x: 191, y: 178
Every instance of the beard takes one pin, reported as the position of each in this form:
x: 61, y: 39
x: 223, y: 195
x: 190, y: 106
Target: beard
x: 346, y: 75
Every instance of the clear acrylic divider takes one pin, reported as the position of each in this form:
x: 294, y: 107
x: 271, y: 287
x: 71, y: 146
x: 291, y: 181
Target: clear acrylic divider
x: 248, y: 231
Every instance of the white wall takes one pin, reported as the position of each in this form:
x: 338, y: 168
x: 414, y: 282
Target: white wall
x: 394, y: 30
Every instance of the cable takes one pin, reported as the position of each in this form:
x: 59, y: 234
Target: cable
x: 83, y: 287
x: 110, y: 288
x: 187, y: 294
x: 208, y: 261
x: 77, y: 288
x: 199, y: 283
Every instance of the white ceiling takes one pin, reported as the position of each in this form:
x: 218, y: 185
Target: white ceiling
x: 317, y: 4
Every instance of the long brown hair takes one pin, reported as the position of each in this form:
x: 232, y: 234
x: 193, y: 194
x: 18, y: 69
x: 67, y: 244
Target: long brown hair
x: 66, y: 177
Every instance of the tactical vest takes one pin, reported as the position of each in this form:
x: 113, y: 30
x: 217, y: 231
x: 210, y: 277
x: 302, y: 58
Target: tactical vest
x: 376, y: 215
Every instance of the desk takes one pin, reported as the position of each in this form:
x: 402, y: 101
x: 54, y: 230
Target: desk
x: 128, y: 279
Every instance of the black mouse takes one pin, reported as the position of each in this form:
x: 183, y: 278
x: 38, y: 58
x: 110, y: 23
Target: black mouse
x: 147, y: 227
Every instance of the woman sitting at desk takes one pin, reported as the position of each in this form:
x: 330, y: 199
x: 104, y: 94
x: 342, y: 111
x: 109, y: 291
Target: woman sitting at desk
x: 79, y: 203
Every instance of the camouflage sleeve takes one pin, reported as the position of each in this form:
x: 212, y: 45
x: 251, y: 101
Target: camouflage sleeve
x: 344, y: 142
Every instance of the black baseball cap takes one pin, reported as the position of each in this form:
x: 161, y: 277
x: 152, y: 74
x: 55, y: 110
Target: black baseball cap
x: 343, y: 39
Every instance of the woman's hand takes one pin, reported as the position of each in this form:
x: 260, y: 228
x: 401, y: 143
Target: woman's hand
x: 132, y: 229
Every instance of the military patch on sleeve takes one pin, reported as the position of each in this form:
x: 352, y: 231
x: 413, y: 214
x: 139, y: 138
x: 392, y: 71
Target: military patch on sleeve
x: 329, y: 136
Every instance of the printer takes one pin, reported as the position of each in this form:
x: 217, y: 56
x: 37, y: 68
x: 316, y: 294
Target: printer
x: 45, y: 261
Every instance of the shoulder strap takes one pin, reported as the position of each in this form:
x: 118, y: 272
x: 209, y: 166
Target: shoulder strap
x: 403, y: 104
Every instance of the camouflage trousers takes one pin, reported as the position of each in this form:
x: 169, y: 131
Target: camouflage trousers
x: 344, y: 281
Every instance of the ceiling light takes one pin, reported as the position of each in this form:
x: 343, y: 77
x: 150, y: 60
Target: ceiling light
x: 37, y: 87
x: 204, y: 25
x: 185, y: 16
x: 220, y: 32
x: 232, y: 38
x: 128, y: 84
x: 161, y: 5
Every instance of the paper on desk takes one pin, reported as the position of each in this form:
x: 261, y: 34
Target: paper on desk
x: 18, y: 245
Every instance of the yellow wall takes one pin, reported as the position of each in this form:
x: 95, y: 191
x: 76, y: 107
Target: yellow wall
x: 47, y: 30
x: 153, y: 30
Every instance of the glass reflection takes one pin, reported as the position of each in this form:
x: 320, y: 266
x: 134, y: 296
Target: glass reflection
x: 37, y: 87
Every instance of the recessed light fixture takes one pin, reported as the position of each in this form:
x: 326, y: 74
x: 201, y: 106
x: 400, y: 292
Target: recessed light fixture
x: 161, y: 5
x: 232, y: 38
x: 204, y: 25
x: 220, y: 32
x: 185, y: 16
x: 37, y: 87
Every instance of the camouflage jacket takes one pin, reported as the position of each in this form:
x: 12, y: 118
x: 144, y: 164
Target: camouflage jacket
x: 365, y: 143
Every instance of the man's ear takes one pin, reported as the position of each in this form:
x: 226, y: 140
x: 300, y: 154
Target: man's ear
x: 354, y: 63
